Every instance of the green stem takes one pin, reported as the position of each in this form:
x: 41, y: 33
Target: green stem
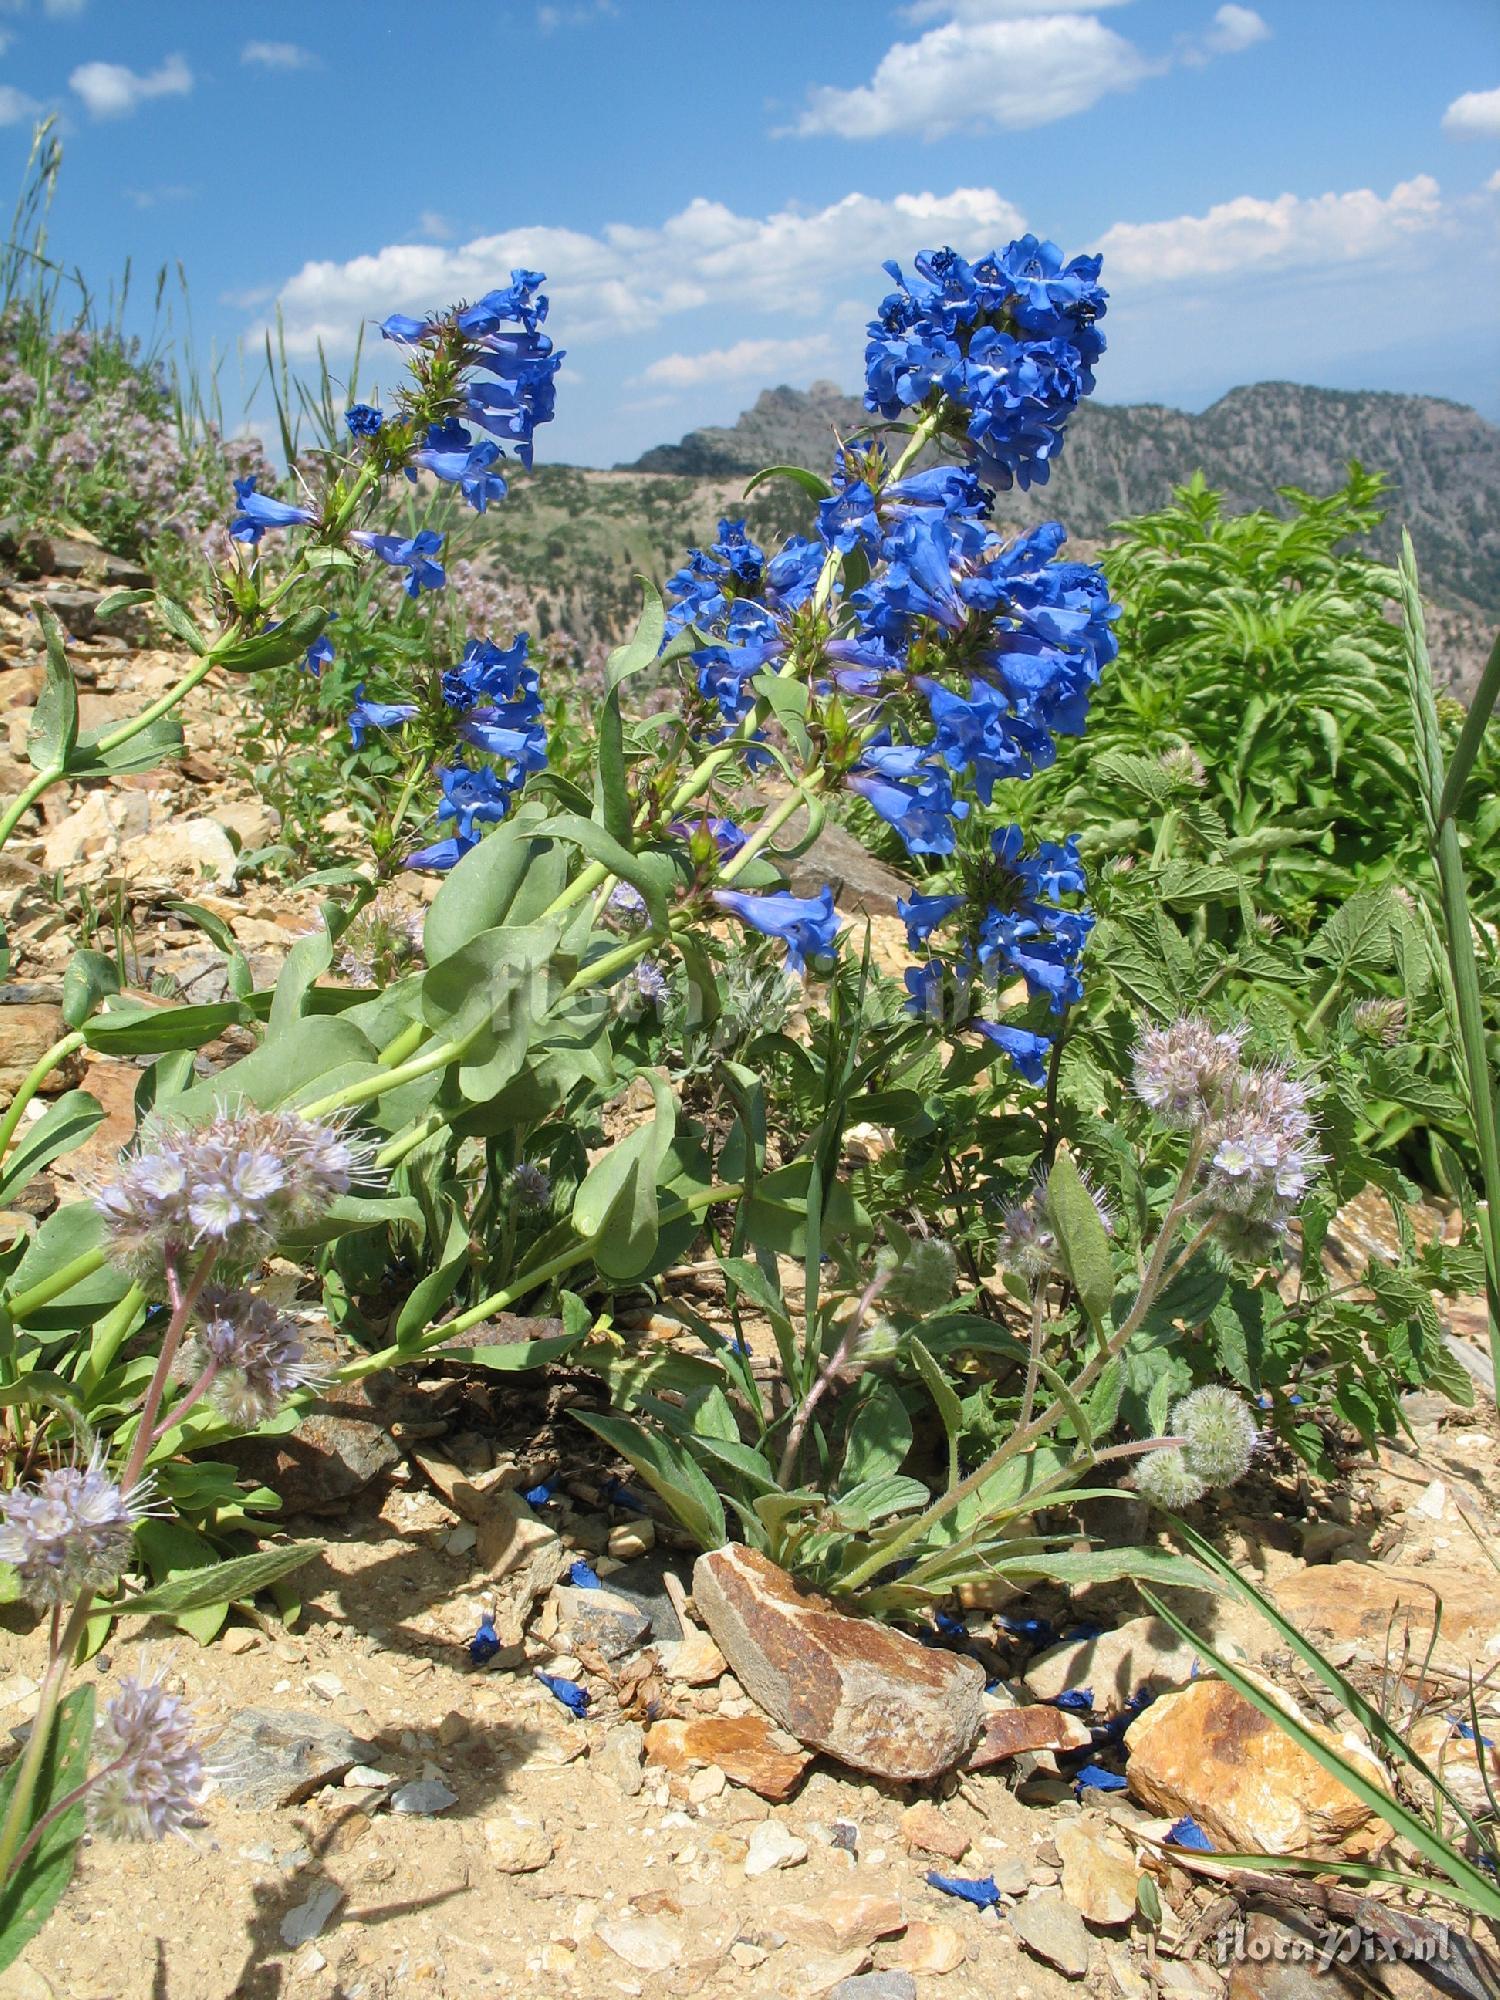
x: 47, y: 1289
x: 802, y: 793
x: 26, y: 798
x: 1471, y: 735
x: 526, y: 1282
x: 159, y: 707
x: 401, y: 1046
x: 32, y: 1083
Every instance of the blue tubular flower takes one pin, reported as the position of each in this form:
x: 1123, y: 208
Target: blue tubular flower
x: 450, y: 454
x: 924, y: 986
x: 405, y: 330
x: 808, y: 925
x: 319, y: 654
x: 1028, y: 1052
x: 924, y: 813
x: 524, y: 749
x: 848, y: 520
x: 363, y: 420
x: 485, y: 1643
x: 922, y: 915
x: 980, y: 1890
x: 731, y: 567
x: 471, y: 799
x: 721, y: 837
x: 414, y: 555
x: 490, y: 673
x: 376, y: 715
x: 792, y: 573
x: 982, y: 735
x: 573, y: 1697
x: 1094, y: 1778
x: 258, y: 511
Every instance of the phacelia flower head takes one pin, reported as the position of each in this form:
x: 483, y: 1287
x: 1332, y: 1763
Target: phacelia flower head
x: 257, y: 1355
x: 1183, y: 1071
x: 1262, y: 1157
x: 69, y: 1531
x: 1218, y: 1432
x: 530, y: 1186
x: 153, y: 1777
x: 229, y: 1187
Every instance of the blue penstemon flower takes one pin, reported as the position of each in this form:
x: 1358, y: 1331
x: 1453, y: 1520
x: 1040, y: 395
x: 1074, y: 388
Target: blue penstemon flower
x: 259, y: 511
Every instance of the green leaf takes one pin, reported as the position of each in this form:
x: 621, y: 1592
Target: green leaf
x: 812, y: 485
x: 1082, y: 1239
x: 171, y: 1549
x: 30, y: 1897
x: 642, y: 647
x: 229, y: 1582
x: 615, y: 1208
x: 278, y: 1071
x: 180, y: 624
x: 670, y: 1473
x: 68, y: 1122
x: 132, y: 1029
x: 652, y: 874
x: 941, y: 1390
x: 288, y: 642
x: 69, y: 1233
x: 54, y: 719
x: 491, y: 993
x: 121, y: 600
x: 509, y: 878
x: 155, y: 744
x: 879, y: 1438
x: 517, y: 1356
x: 90, y: 978
x: 875, y: 1499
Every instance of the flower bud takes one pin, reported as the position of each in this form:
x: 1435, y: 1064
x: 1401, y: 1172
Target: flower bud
x: 1219, y: 1433
x: 923, y: 1282
x: 1167, y: 1480
x: 1380, y: 1021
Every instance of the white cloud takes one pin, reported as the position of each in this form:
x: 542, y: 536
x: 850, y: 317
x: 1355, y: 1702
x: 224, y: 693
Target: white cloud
x: 1235, y: 28
x: 110, y: 90
x: 278, y: 55
x: 746, y: 361
x: 432, y: 223
x: 1251, y: 234
x: 577, y: 15
x: 1000, y: 10
x: 15, y: 105
x: 1492, y: 185
x: 63, y: 10
x: 628, y: 279
x: 1475, y: 115
x: 976, y: 71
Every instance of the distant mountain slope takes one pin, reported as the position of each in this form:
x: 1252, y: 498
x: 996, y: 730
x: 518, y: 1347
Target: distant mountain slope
x: 1443, y: 460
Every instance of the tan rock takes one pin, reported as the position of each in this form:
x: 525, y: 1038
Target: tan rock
x: 1367, y: 1601
x: 1209, y: 1752
x: 772, y: 1846
x: 1144, y: 1652
x: 745, y: 1747
x: 517, y: 1845
x: 182, y: 849
x: 1053, y: 1933
x: 26, y: 1034
x: 869, y: 1696
x: 1098, y: 1872
x: 96, y: 830
x: 647, y: 1943
x: 924, y: 1827
x: 1011, y: 1732
x: 695, y: 1660
x: 820, y: 1974
x: 841, y: 1920
x: 935, y: 1949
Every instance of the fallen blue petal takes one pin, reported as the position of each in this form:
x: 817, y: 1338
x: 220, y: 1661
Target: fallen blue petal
x: 1078, y: 1633
x: 485, y: 1643
x: 979, y: 1890
x: 539, y: 1496
x: 1094, y: 1778
x: 949, y: 1627
x: 583, y: 1578
x: 618, y: 1494
x: 1038, y: 1630
x: 569, y: 1693
x: 1187, y: 1833
x: 1078, y: 1701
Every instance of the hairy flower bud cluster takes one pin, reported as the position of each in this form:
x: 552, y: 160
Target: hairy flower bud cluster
x: 1219, y: 1439
x: 1028, y: 1241
x: 153, y: 1778
x: 229, y: 1188
x: 257, y: 1355
x: 69, y: 1531
x: 923, y: 1279
x: 530, y: 1186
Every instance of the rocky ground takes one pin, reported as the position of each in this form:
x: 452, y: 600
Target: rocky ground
x: 391, y: 1814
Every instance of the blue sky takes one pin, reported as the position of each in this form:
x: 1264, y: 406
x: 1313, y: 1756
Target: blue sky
x: 1305, y: 189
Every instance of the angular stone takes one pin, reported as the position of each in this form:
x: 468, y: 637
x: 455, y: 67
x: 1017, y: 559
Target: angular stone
x: 182, y: 849
x: 924, y: 1826
x: 773, y: 1846
x: 620, y: 1756
x: 311, y: 1917
x: 340, y: 1448
x: 1143, y: 1653
x: 1011, y: 1732
x: 695, y: 1661
x: 866, y: 1694
x: 644, y: 1942
x: 26, y: 1034
x: 269, y: 1757
x: 743, y: 1746
x: 611, y: 1625
x: 934, y: 1949
x: 840, y: 1920
x: 1052, y: 1932
x: 423, y: 1797
x: 517, y: 1845
x: 1365, y: 1600
x: 1098, y: 1872
x: 1210, y: 1753
x: 895, y: 1985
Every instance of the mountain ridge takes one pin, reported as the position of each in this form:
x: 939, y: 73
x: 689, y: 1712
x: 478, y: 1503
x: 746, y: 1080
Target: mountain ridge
x: 1442, y: 459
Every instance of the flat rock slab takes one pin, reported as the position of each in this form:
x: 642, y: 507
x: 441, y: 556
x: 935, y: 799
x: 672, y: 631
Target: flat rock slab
x: 1011, y: 1732
x: 868, y: 1696
x: 1052, y: 1932
x: 744, y: 1747
x: 1209, y: 1753
x: 269, y: 1757
x: 1143, y: 1653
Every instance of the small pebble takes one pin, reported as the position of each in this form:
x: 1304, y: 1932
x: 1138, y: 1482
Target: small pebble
x: 423, y: 1796
x: 632, y: 1538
